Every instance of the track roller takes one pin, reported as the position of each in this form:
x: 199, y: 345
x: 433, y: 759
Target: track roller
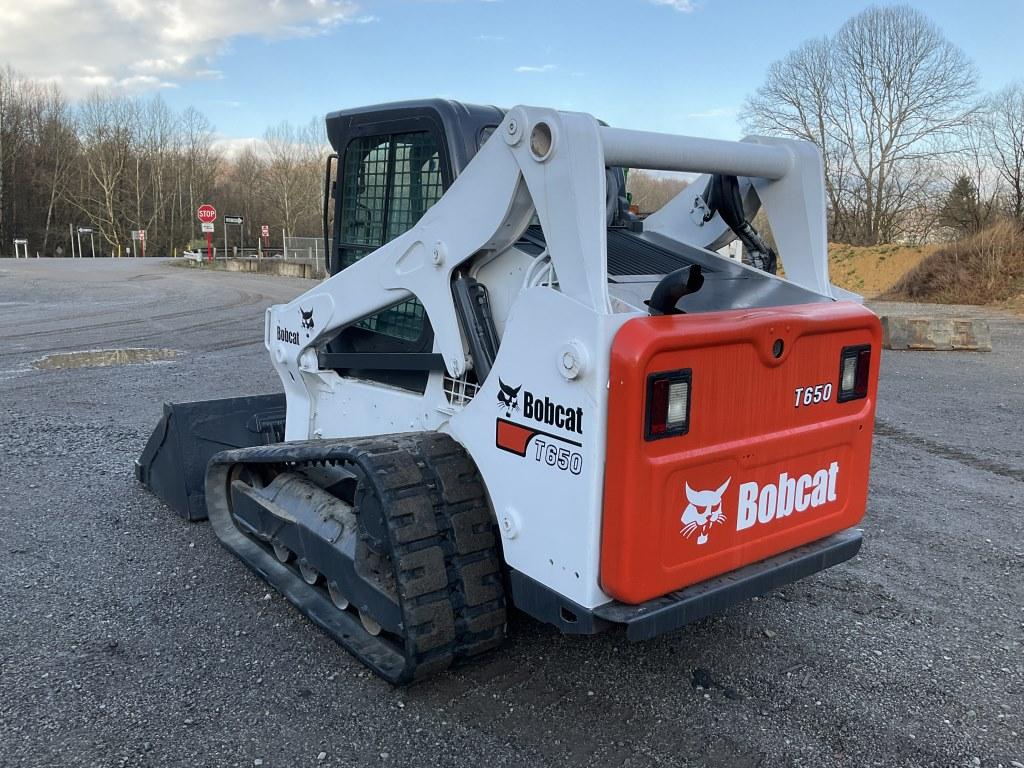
x: 309, y: 574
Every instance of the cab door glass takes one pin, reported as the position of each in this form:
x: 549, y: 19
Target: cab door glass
x: 388, y: 183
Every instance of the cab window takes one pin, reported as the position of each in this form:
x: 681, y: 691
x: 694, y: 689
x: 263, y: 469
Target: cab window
x: 388, y: 183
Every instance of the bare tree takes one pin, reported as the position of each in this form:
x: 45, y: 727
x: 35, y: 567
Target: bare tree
x: 241, y: 189
x: 201, y: 160
x: 60, y: 149
x: 875, y: 98
x: 13, y: 138
x: 649, y: 192
x: 107, y: 129
x: 1004, y: 125
x: 290, y: 179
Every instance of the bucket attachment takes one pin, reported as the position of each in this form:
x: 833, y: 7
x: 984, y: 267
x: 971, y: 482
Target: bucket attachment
x: 173, y: 463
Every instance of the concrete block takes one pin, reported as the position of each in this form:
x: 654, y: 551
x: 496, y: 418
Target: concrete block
x: 935, y: 333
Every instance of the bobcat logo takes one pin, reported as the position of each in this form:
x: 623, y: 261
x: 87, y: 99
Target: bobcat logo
x: 703, y: 511
x: 508, y: 398
x: 307, y: 319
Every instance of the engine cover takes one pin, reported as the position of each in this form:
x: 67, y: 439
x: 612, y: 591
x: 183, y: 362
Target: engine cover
x: 763, y: 467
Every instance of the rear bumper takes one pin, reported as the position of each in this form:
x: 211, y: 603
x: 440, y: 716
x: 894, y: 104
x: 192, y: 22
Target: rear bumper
x: 677, y: 609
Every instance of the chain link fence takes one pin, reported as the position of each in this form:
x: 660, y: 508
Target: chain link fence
x: 307, y: 249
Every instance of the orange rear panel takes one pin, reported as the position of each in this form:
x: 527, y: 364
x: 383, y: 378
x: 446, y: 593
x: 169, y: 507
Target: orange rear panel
x: 756, y: 474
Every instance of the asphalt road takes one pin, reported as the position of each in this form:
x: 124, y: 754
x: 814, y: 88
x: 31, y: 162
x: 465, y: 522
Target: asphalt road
x: 129, y: 637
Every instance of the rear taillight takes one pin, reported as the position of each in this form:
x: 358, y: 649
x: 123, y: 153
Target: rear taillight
x: 668, y: 404
x: 854, y: 370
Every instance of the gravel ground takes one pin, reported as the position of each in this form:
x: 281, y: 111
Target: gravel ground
x: 131, y: 638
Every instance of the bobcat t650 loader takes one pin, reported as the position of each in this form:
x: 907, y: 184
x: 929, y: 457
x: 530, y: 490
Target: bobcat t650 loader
x: 512, y: 390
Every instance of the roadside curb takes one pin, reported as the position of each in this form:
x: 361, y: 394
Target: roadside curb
x: 260, y: 266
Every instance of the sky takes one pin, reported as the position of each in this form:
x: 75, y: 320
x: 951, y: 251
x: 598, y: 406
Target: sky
x: 682, y: 66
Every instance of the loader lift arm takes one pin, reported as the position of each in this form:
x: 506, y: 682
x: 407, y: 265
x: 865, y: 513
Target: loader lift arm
x: 526, y: 167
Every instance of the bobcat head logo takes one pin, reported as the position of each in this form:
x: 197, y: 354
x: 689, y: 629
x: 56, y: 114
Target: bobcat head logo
x: 307, y: 319
x: 508, y: 398
x: 703, y: 511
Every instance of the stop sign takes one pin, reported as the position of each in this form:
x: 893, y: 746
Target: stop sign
x: 207, y: 213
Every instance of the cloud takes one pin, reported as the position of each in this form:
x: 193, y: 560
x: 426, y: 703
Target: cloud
x: 541, y: 68
x: 710, y: 114
x: 683, y: 6
x: 232, y: 148
x: 144, y: 45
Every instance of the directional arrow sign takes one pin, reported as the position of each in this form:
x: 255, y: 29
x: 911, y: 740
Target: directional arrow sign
x: 232, y: 219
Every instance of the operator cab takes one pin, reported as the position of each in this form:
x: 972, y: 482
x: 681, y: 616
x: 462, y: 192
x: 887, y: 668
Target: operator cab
x: 394, y: 162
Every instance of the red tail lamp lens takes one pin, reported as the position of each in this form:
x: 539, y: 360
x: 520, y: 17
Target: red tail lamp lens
x: 668, y: 404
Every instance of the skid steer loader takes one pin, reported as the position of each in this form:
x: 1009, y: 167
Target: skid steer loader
x: 511, y: 390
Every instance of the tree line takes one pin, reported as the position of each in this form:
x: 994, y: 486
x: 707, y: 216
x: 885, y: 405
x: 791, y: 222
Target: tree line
x: 117, y: 163
x: 911, y: 150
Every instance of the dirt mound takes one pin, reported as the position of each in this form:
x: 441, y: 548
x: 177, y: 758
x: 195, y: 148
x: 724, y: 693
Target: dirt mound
x: 985, y: 268
x: 873, y: 270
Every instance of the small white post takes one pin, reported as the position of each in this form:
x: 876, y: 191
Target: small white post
x: 284, y: 243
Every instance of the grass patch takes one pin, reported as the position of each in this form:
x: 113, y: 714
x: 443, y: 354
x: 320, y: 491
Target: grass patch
x: 984, y: 268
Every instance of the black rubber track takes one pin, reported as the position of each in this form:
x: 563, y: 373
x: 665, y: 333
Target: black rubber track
x: 443, y: 547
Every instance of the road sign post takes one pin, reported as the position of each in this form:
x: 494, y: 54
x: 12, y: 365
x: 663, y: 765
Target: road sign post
x: 207, y: 214
x: 140, y: 236
x: 92, y: 243
x: 234, y: 221
x: 265, y: 235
